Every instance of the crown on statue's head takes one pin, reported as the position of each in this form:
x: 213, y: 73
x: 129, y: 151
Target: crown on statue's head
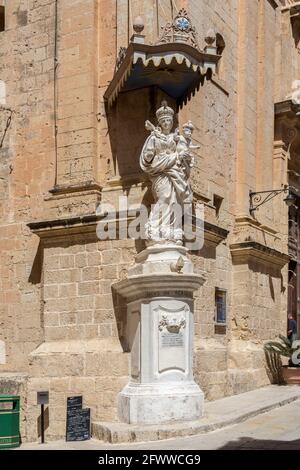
x: 188, y: 125
x: 164, y: 111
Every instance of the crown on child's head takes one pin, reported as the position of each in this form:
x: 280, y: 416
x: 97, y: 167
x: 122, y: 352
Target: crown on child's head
x: 188, y: 125
x: 164, y: 111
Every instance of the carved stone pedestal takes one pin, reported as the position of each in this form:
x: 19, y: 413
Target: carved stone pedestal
x: 159, y: 294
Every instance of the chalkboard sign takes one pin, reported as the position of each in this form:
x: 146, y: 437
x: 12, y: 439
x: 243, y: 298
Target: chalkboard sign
x: 78, y: 420
x: 74, y: 402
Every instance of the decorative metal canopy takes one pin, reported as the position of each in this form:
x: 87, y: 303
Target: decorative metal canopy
x: 175, y: 64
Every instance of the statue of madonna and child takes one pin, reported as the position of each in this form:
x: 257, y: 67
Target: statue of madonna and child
x: 167, y: 157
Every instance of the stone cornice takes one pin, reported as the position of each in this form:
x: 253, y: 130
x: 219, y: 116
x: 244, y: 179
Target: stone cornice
x: 158, y: 285
x: 244, y: 221
x: 214, y: 234
x: 49, y: 229
x: 250, y: 250
x: 287, y: 108
x: 75, y: 188
x: 68, y: 226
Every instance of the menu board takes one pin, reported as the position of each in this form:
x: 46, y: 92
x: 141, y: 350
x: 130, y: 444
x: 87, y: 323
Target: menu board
x: 78, y: 420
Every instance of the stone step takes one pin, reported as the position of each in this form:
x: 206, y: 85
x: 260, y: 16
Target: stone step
x: 218, y: 414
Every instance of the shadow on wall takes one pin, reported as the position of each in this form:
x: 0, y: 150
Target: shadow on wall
x: 126, y: 128
x: 272, y: 272
x: 127, y: 134
x: 295, y: 30
x: 120, y: 309
x: 46, y: 422
x: 37, y: 266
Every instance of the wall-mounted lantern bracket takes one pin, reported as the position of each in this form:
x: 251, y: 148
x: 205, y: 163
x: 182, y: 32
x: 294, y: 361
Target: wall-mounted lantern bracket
x: 259, y: 198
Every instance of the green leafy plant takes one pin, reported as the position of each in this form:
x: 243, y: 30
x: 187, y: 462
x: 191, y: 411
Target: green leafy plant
x: 285, y: 347
x: 274, y: 368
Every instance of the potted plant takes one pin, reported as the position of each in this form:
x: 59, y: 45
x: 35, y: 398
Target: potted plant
x: 290, y: 373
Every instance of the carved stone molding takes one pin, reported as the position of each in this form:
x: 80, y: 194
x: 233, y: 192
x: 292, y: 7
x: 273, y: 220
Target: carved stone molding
x: 280, y: 150
x: 250, y: 250
x: 213, y: 234
x: 121, y: 56
x: 287, y: 129
x: 173, y: 325
x: 286, y: 109
x: 49, y: 229
x: 74, y: 188
x: 180, y: 30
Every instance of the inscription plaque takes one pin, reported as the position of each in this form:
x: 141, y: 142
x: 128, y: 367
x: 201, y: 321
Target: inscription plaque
x: 172, y: 340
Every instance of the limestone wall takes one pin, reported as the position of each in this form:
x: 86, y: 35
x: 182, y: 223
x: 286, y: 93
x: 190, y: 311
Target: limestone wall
x: 59, y: 321
x: 27, y: 170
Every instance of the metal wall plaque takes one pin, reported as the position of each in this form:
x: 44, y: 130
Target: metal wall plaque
x: 42, y: 398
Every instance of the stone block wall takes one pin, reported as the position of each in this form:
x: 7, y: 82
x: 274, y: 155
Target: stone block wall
x: 59, y: 321
x: 82, y: 352
x: 77, y: 294
x: 27, y: 162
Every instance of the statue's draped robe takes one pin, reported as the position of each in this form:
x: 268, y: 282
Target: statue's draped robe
x: 171, y: 190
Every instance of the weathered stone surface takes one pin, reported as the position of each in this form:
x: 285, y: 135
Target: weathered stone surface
x: 59, y: 290
x: 218, y: 414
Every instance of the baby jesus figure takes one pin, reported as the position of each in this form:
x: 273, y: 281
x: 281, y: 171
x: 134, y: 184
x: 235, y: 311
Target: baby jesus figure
x: 185, y: 147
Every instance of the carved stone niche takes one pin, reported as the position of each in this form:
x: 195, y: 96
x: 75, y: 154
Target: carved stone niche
x: 173, y: 69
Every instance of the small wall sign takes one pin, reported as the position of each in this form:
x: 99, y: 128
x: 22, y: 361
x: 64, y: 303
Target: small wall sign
x: 42, y: 398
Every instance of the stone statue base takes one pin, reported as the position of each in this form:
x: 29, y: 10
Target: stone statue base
x: 160, y: 403
x: 159, y: 294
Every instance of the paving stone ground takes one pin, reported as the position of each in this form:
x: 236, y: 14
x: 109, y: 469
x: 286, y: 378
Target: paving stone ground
x: 275, y: 429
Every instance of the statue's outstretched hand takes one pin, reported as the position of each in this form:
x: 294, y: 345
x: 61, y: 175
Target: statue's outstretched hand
x: 149, y: 126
